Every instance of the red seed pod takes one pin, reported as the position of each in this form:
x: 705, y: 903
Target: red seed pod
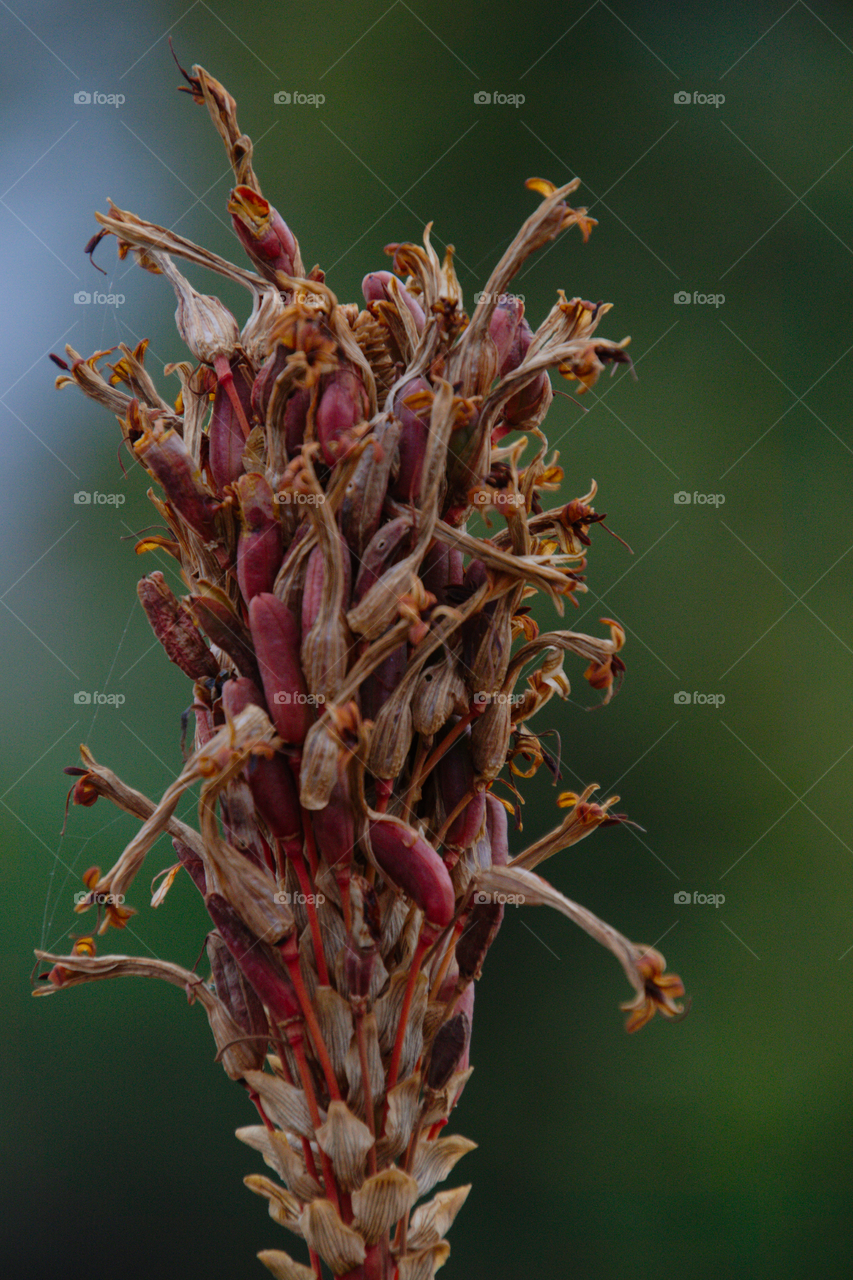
x: 374, y: 286
x: 238, y: 997
x: 413, y: 866
x: 506, y: 318
x: 381, y: 683
x: 276, y: 636
x: 450, y: 1043
x: 334, y: 827
x: 413, y: 438
x: 259, y: 963
x: 259, y: 547
x: 528, y: 402
x: 166, y: 456
x: 364, y: 496
x: 218, y: 618
x: 295, y: 419
x: 226, y: 435
x: 519, y: 347
x: 442, y: 568
x: 455, y: 779
x: 274, y: 365
x: 174, y: 627
x: 315, y: 584
x: 496, y: 828
x: 484, y: 920
x: 343, y: 405
x: 270, y: 780
x: 358, y: 969
x: 264, y: 234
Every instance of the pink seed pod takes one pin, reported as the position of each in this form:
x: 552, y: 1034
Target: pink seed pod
x: 314, y: 590
x: 259, y: 963
x: 270, y: 779
x: 264, y: 234
x: 334, y: 828
x: 225, y: 434
x: 173, y: 626
x: 259, y: 547
x: 519, y: 347
x: 237, y: 996
x: 414, y: 867
x: 530, y: 402
x: 164, y: 453
x: 413, y: 438
x: 455, y: 779
x: 218, y: 618
x: 276, y: 636
x: 442, y: 569
x: 381, y: 683
x: 506, y: 318
x: 374, y: 286
x: 343, y: 405
x: 496, y: 827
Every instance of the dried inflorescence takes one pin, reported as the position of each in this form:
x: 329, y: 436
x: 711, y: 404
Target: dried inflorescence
x: 356, y: 704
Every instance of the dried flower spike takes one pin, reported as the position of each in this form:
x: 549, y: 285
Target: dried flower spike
x: 355, y: 644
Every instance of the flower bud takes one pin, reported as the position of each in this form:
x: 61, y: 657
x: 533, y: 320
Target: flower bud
x: 225, y: 434
x: 264, y: 234
x: 206, y: 326
x: 174, y: 627
x: 259, y: 548
x: 259, y: 963
x: 218, y: 618
x: 413, y: 438
x: 276, y: 636
x: 334, y: 827
x: 374, y: 286
x: 413, y: 866
x: 343, y: 405
x: 164, y: 453
x: 506, y: 318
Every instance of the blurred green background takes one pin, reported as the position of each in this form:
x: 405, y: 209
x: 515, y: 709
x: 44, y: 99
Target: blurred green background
x: 721, y: 1145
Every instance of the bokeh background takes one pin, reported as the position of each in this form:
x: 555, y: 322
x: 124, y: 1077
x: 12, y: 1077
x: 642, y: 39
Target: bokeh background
x: 720, y: 1145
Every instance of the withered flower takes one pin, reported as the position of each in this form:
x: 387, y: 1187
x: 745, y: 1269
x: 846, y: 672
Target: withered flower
x: 354, y: 646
